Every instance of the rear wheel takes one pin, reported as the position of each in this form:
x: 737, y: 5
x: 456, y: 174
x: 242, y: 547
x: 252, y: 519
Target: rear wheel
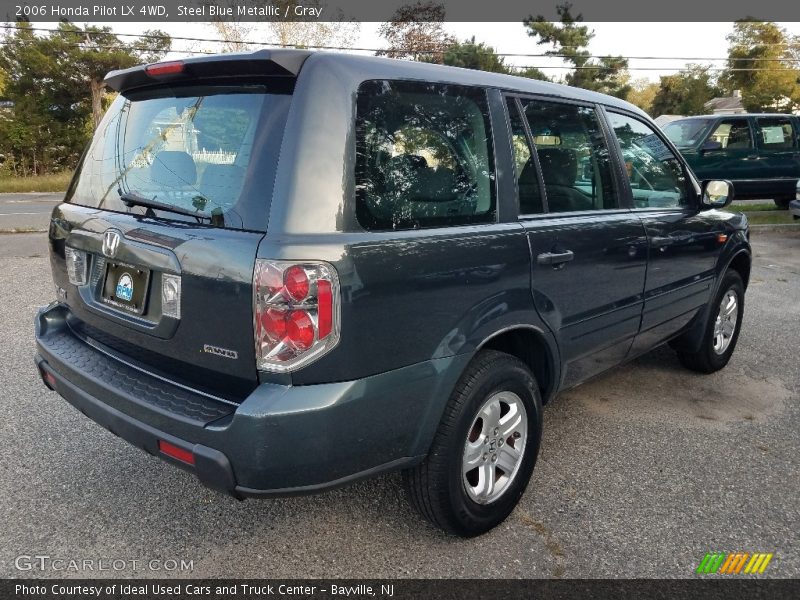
x: 782, y: 202
x: 485, y: 449
x: 722, y: 329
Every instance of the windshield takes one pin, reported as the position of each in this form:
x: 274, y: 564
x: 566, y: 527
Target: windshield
x: 687, y: 132
x: 200, y: 149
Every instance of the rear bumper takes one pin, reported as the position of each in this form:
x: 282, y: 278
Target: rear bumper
x: 282, y: 440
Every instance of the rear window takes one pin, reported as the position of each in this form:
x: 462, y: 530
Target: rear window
x: 209, y: 150
x: 424, y: 156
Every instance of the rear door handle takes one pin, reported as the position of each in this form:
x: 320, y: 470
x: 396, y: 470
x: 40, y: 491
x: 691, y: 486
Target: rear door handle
x: 555, y: 258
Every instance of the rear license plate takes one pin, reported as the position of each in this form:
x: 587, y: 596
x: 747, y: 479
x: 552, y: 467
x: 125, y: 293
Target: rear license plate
x: 125, y: 287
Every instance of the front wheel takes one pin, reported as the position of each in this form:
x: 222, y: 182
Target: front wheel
x: 485, y: 449
x: 722, y: 329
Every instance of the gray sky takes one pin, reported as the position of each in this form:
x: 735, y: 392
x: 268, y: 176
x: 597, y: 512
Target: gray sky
x: 682, y: 40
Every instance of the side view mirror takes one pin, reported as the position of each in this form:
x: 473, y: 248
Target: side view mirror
x: 717, y: 193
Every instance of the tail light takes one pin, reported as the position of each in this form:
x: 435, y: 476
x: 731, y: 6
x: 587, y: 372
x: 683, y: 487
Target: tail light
x: 296, y: 313
x: 77, y: 266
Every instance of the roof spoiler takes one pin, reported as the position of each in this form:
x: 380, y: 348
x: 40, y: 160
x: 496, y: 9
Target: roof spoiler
x: 271, y: 63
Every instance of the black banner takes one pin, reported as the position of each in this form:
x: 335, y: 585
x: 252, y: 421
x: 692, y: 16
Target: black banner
x: 372, y: 10
x: 100, y: 589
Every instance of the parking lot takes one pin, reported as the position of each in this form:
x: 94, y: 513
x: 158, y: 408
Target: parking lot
x: 642, y: 471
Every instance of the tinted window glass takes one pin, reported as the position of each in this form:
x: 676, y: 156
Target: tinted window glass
x: 776, y: 133
x: 187, y: 147
x: 656, y: 175
x: 687, y: 132
x: 424, y: 156
x: 733, y: 134
x: 530, y: 195
x: 573, y: 156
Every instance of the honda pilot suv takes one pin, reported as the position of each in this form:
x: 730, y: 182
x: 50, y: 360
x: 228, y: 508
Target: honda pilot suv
x: 285, y: 271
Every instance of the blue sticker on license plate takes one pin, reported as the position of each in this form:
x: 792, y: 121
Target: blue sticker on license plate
x: 125, y: 287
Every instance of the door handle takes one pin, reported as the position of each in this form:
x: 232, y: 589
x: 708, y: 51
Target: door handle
x: 752, y: 157
x: 555, y: 258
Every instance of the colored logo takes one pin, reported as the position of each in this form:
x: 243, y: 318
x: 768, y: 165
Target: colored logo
x: 125, y: 287
x: 734, y: 563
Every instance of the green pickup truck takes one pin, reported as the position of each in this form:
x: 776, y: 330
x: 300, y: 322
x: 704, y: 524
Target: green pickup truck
x: 759, y: 153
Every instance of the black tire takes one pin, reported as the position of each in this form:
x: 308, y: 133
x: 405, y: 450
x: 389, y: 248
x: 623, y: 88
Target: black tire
x: 706, y: 359
x: 435, y: 487
x: 782, y: 202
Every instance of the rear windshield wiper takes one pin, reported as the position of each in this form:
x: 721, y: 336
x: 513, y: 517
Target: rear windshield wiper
x: 131, y: 199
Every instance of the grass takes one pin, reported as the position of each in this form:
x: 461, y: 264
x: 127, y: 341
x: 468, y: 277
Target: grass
x: 771, y: 218
x: 56, y: 182
x: 755, y: 207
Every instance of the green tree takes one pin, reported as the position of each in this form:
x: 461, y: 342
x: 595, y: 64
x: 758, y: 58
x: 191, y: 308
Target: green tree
x: 643, y: 93
x: 762, y: 63
x: 416, y: 31
x: 94, y: 51
x: 471, y: 55
x: 530, y: 73
x: 686, y: 92
x: 55, y: 83
x: 570, y: 41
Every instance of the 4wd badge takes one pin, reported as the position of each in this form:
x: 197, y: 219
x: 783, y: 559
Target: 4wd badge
x: 125, y: 287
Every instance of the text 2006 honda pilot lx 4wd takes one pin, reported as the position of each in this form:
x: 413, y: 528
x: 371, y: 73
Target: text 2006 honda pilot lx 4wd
x: 288, y: 270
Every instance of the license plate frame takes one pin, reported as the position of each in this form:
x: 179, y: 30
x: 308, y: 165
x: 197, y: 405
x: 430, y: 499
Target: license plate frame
x: 115, y: 283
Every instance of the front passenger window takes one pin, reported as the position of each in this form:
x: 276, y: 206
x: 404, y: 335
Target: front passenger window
x: 656, y: 175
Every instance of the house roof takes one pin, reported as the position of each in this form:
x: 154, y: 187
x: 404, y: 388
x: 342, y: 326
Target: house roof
x: 725, y: 103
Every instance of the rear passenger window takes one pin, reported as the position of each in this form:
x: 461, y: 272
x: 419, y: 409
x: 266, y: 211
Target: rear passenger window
x: 573, y: 156
x: 776, y: 133
x: 655, y: 173
x: 733, y: 134
x: 530, y: 194
x: 424, y: 156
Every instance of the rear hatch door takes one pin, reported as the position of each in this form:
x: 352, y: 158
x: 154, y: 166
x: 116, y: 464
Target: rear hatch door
x: 156, y: 241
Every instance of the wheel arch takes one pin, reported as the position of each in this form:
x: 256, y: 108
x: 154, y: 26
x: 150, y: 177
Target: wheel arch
x: 692, y: 337
x: 533, y: 347
x: 741, y: 263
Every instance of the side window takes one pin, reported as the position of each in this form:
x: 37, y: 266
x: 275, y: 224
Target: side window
x: 775, y: 133
x: 530, y: 195
x: 573, y: 156
x: 423, y: 156
x: 733, y: 134
x: 656, y: 175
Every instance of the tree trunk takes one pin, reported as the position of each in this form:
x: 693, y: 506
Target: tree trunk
x: 97, y: 100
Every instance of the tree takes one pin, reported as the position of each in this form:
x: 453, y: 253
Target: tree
x: 94, y: 51
x: 55, y: 83
x: 416, y: 31
x: 762, y: 63
x: 642, y: 93
x: 570, y: 40
x: 530, y: 73
x: 307, y: 32
x: 686, y: 92
x: 336, y: 30
x: 471, y: 55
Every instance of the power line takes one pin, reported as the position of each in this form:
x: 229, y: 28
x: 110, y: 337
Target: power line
x: 89, y: 45
x: 409, y: 50
x: 517, y: 67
